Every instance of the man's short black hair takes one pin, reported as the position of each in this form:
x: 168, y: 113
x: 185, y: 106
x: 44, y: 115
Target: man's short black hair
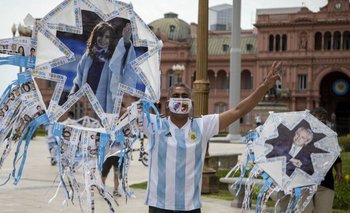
x: 171, y: 89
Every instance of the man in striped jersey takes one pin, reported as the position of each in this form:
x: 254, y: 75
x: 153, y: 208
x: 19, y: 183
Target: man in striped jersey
x: 177, y: 147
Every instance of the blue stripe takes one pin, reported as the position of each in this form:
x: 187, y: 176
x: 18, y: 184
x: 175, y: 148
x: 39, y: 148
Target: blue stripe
x: 162, y: 156
x: 180, y: 173
x: 198, y: 167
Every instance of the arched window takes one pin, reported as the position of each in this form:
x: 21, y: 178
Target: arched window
x: 336, y: 40
x: 284, y: 42
x: 327, y: 41
x: 278, y: 42
x: 246, y: 80
x: 220, y: 107
x: 271, y: 42
x: 221, y: 80
x: 211, y: 78
x: 171, y: 78
x: 346, y: 40
x: 318, y: 41
x: 193, y: 78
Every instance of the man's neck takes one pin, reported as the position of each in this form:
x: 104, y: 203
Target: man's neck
x: 179, y: 120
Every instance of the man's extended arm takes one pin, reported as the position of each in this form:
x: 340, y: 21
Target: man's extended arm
x: 246, y: 105
x: 339, y: 172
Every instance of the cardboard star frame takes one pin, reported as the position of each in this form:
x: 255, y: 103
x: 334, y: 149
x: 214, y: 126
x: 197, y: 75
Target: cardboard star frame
x: 52, y: 52
x: 322, y: 151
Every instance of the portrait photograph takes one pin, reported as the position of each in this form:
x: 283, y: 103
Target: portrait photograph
x: 103, y: 53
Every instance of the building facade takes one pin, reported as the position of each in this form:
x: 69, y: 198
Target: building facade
x: 313, y: 46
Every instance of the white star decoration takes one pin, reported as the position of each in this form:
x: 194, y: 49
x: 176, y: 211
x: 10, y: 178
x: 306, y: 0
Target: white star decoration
x: 67, y: 17
x: 276, y: 166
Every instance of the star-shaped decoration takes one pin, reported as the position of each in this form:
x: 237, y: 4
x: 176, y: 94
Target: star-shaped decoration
x: 282, y: 145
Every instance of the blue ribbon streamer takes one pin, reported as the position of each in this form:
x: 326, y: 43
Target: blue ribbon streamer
x: 24, y: 77
x: 268, y: 182
x: 43, y: 119
x: 297, y: 195
x: 104, y: 139
x: 18, y: 60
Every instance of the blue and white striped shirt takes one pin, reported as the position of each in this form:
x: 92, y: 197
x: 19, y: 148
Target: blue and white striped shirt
x: 176, y: 162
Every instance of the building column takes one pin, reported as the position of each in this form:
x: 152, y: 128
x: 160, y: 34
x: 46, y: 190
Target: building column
x: 235, y: 67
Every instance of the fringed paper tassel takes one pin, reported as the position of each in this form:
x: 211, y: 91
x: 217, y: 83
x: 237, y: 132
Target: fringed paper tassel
x: 92, y: 183
x: 33, y: 126
x: 57, y: 133
x: 75, y: 187
x: 249, y: 187
x: 311, y: 192
x: 272, y: 189
x: 294, y: 200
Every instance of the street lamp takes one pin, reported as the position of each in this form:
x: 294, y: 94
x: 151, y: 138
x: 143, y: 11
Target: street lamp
x: 178, y: 69
x: 14, y: 30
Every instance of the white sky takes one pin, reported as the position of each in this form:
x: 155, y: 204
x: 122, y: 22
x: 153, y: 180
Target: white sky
x: 14, y: 11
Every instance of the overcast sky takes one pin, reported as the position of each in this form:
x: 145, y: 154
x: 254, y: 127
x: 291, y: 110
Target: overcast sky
x: 14, y: 11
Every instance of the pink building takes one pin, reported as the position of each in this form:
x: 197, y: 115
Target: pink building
x: 314, y: 48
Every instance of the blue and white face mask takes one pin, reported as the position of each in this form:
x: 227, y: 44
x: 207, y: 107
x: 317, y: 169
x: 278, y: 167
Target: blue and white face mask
x: 180, y: 105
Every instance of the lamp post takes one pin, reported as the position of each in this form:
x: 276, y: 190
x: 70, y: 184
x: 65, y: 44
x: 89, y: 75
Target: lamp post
x: 201, y: 89
x: 13, y: 30
x: 23, y: 30
x: 178, y: 69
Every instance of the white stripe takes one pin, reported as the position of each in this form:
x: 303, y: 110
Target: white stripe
x: 190, y: 164
x: 170, y: 175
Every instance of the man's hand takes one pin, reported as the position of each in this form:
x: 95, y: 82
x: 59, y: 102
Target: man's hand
x: 339, y: 177
x: 296, y: 162
x: 127, y: 33
x: 272, y: 75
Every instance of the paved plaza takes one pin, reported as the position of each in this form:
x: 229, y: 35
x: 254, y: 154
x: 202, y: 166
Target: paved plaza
x: 38, y: 185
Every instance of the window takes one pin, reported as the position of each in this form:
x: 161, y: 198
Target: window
x: 193, y: 78
x: 346, y: 40
x: 278, y: 42
x: 249, y: 47
x: 172, y: 28
x: 220, y: 107
x: 336, y: 40
x: 211, y: 78
x: 171, y: 78
x: 284, y: 42
x: 246, y: 80
x: 222, y: 80
x: 302, y: 82
x: 327, y: 41
x: 271, y: 41
x: 225, y: 47
x: 318, y: 41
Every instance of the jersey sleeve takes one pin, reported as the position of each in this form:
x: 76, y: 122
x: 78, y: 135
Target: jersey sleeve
x: 210, y: 125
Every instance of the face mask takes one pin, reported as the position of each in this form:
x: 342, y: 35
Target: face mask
x: 180, y: 105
